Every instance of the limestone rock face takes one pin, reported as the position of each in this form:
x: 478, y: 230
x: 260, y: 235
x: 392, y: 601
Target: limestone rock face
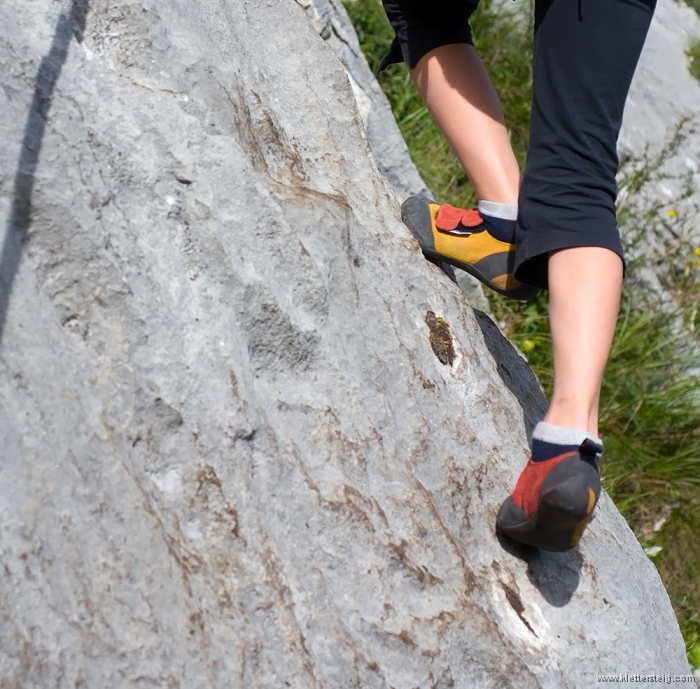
x: 663, y: 91
x: 663, y: 94
x: 331, y: 21
x: 237, y: 448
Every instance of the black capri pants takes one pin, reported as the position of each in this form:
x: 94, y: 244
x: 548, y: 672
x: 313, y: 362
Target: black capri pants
x: 585, y: 54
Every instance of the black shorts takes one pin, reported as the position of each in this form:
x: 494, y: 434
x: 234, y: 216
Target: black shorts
x: 585, y: 54
x: 421, y: 26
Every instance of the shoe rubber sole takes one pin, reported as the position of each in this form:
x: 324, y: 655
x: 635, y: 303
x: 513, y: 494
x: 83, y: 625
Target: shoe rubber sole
x: 547, y: 530
x: 564, y: 509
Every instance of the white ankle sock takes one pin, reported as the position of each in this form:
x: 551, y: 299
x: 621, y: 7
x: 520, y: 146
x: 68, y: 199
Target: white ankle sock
x: 548, y: 433
x: 505, y: 211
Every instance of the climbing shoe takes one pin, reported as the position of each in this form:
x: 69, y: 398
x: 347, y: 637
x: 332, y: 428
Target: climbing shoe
x: 553, y: 500
x: 460, y: 237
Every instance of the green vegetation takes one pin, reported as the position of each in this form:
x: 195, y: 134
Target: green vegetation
x: 694, y: 4
x: 693, y: 52
x: 650, y: 402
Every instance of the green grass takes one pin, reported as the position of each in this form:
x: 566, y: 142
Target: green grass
x: 693, y: 52
x: 650, y: 406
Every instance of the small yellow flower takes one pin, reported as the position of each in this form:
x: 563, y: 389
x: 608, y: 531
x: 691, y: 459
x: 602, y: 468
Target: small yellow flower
x: 697, y: 251
x: 672, y: 214
x: 528, y: 346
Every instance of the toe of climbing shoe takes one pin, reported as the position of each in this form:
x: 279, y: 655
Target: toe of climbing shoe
x: 417, y: 214
x: 459, y: 237
x: 553, y: 501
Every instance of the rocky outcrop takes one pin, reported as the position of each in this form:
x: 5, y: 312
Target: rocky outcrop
x: 660, y: 129
x: 331, y: 22
x: 249, y: 437
x: 663, y: 96
x: 663, y: 91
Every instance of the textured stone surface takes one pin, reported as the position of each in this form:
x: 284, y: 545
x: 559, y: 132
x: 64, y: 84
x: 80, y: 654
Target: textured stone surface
x: 663, y: 94
x: 331, y: 21
x: 663, y: 90
x: 230, y: 455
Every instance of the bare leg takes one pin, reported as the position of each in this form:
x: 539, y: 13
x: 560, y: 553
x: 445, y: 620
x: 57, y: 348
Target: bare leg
x: 584, y: 282
x: 458, y: 93
x: 584, y: 299
x: 559, y: 487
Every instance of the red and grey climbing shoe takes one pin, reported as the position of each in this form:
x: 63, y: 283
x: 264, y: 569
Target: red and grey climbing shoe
x: 460, y: 238
x: 553, y: 500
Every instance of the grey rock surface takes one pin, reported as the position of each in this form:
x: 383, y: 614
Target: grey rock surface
x: 332, y: 23
x: 663, y: 91
x: 230, y: 455
x: 664, y: 94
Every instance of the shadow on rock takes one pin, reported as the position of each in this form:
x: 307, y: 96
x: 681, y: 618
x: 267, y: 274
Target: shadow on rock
x: 555, y: 575
x: 68, y: 27
x: 514, y: 372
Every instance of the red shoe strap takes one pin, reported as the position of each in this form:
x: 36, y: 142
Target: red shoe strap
x: 449, y: 218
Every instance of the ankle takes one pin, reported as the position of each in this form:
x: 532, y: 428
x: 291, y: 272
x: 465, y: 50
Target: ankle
x: 549, y: 441
x: 499, y: 219
x: 569, y: 416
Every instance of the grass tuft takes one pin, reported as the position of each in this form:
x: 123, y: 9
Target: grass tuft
x: 693, y: 53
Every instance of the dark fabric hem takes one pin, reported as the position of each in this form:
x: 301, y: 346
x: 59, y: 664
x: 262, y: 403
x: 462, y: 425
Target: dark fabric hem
x: 415, y: 50
x: 418, y: 31
x: 532, y: 263
x: 411, y: 53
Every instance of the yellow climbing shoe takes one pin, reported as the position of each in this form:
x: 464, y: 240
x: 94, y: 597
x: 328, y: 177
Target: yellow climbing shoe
x: 460, y: 237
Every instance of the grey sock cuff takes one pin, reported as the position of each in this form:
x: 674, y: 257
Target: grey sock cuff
x: 548, y: 433
x: 505, y: 211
